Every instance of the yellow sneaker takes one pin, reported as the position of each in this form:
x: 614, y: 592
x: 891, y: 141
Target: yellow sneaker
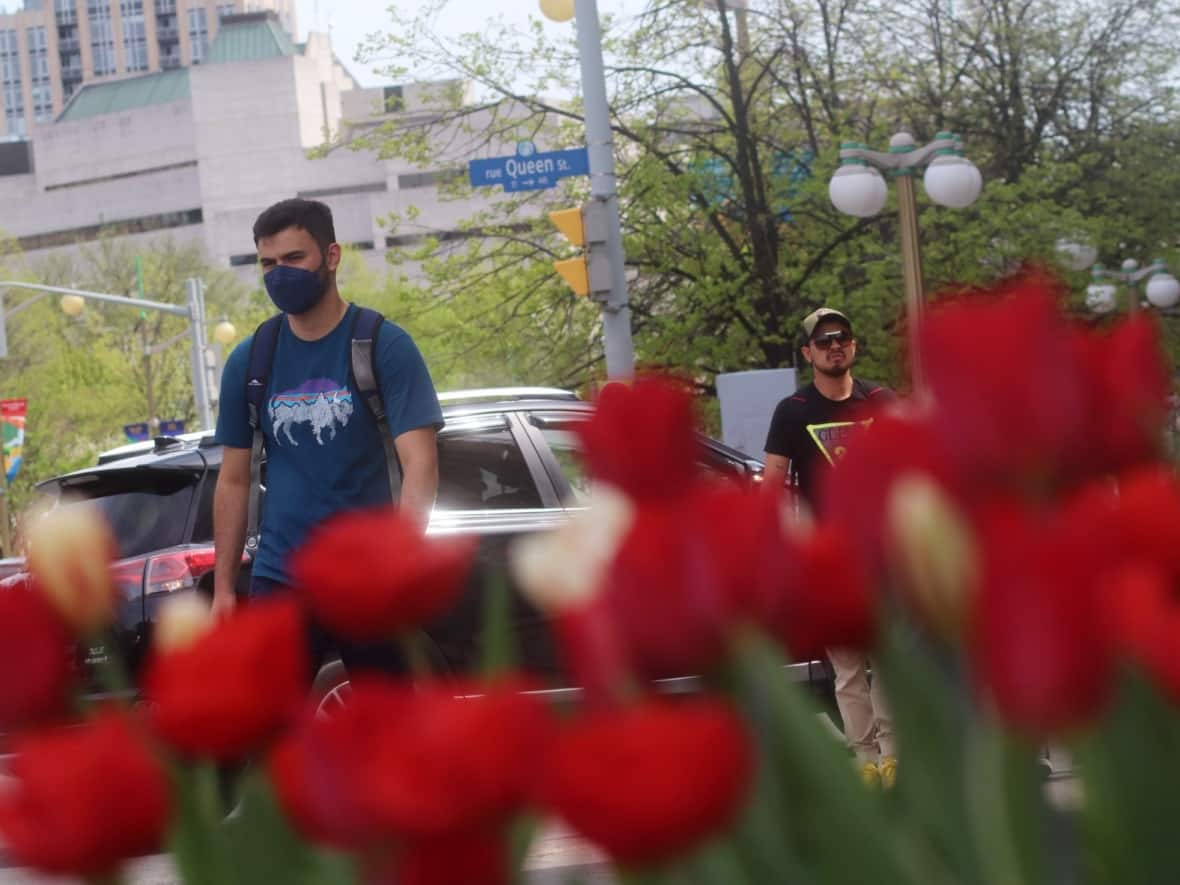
x: 870, y: 775
x: 887, y: 772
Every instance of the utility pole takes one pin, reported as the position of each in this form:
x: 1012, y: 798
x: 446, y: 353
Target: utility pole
x: 616, y: 311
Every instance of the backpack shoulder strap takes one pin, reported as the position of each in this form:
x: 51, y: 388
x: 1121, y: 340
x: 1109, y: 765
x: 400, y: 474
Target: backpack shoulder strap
x: 366, y: 325
x: 262, y: 353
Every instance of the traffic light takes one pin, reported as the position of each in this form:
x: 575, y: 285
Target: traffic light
x: 585, y: 227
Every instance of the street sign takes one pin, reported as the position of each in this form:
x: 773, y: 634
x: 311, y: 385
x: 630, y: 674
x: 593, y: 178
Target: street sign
x: 137, y: 432
x: 528, y: 169
x: 171, y: 428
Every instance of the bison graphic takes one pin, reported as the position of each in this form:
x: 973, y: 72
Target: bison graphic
x: 321, y: 404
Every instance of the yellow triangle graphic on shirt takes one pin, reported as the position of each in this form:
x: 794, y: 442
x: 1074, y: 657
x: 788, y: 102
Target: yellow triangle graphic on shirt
x: 832, y: 449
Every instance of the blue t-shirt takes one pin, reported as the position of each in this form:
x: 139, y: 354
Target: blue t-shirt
x: 323, y: 447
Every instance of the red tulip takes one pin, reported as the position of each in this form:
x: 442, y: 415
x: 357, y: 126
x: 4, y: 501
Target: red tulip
x: 650, y: 782
x: 1041, y: 646
x: 35, y: 653
x: 1009, y: 385
x: 688, y: 572
x: 857, y: 494
x: 1128, y: 381
x: 84, y: 799
x: 827, y: 600
x: 416, y: 763
x: 456, y: 860
x: 1146, y: 618
x: 641, y: 438
x: 235, y: 686
x: 372, y: 574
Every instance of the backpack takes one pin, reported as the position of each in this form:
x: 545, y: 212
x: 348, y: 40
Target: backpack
x: 365, y: 326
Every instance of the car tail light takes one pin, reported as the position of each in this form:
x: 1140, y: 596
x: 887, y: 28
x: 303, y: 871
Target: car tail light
x: 128, y: 577
x: 179, y: 570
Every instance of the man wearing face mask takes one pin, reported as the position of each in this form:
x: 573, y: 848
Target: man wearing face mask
x: 324, y: 449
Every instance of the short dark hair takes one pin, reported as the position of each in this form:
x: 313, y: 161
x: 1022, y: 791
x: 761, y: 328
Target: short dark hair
x: 311, y: 215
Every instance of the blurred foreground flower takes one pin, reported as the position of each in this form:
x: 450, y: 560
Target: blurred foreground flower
x: 70, y: 552
x: 84, y: 798
x: 373, y: 574
x: 413, y: 764
x: 651, y: 781
x: 34, y: 655
x: 230, y: 690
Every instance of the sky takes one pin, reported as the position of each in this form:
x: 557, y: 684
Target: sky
x: 351, y: 20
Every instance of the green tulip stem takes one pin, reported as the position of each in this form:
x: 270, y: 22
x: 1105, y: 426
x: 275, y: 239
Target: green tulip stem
x: 987, y: 807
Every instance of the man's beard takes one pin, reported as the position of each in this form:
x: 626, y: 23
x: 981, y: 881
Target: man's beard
x: 835, y: 371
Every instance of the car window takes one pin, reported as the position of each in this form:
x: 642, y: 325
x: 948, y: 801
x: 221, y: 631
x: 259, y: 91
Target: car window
x: 480, y: 467
x: 147, y: 510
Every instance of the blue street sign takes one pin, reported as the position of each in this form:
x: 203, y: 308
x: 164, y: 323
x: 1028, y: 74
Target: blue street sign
x: 528, y: 170
x: 171, y: 428
x: 137, y: 432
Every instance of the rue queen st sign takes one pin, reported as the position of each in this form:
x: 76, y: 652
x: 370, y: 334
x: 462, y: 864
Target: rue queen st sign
x: 528, y: 169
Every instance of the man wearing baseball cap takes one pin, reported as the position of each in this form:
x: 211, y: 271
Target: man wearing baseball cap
x: 808, y: 434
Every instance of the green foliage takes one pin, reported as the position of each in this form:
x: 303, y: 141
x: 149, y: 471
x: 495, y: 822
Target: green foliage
x: 724, y: 157
x: 86, y: 377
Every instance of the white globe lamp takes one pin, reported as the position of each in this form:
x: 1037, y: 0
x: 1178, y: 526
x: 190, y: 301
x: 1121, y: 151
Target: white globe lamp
x: 858, y: 190
x: 1163, y: 291
x: 557, y: 10
x: 953, y: 181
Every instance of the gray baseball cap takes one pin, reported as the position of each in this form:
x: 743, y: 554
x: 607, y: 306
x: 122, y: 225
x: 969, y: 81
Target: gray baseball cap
x: 814, y: 318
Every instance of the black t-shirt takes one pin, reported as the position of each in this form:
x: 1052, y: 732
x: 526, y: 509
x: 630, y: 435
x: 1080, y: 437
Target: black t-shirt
x: 811, y: 430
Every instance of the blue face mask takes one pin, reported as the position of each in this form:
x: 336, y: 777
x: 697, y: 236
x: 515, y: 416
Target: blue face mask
x: 293, y: 289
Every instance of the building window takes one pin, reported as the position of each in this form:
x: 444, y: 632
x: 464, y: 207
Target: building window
x: 225, y: 9
x: 395, y: 99
x: 65, y: 12
x: 135, y: 53
x: 165, y: 7
x: 102, y: 37
x: 198, y: 34
x: 14, y: 100
x: 244, y: 259
x: 38, y: 49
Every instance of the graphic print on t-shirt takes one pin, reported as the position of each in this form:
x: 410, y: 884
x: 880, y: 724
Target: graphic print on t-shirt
x: 832, y: 438
x: 322, y: 404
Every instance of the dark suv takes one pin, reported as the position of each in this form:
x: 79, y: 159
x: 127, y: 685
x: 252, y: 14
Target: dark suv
x: 508, y: 465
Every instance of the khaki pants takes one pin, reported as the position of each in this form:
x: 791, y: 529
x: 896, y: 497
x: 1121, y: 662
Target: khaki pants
x: 868, y: 725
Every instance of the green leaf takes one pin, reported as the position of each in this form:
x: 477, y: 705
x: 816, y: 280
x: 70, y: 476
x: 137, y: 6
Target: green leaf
x: 263, y: 847
x: 1130, y: 787
x: 196, y: 842
x: 832, y: 809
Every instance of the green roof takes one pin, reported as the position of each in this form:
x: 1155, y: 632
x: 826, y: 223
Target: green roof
x: 248, y: 38
x: 121, y: 95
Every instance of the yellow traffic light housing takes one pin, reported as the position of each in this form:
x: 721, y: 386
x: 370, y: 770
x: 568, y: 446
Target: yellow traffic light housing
x: 584, y: 227
x: 576, y: 274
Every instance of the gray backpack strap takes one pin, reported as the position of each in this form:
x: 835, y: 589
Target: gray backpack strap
x: 365, y: 327
x: 262, y: 352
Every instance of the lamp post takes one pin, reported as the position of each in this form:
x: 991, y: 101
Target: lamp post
x: 858, y: 188
x: 1162, y: 289
x: 74, y: 301
x: 616, y: 311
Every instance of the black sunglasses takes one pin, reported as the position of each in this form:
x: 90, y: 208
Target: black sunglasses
x: 826, y: 340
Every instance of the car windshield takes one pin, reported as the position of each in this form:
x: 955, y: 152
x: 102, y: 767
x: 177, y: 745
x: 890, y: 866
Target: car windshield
x: 147, y: 510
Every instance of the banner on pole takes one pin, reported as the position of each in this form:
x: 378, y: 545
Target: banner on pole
x: 12, y: 422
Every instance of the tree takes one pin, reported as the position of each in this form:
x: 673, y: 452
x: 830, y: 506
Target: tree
x: 725, y: 151
x: 87, y: 377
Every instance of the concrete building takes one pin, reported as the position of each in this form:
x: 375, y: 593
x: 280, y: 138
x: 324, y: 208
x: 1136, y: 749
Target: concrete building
x: 197, y: 152
x: 51, y: 48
